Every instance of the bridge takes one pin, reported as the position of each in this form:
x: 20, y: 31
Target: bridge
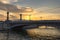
x: 8, y: 24
x: 29, y: 24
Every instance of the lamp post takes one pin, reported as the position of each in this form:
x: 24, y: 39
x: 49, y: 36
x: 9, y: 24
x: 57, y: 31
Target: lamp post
x: 41, y: 18
x: 7, y: 16
x: 30, y: 17
x: 20, y: 17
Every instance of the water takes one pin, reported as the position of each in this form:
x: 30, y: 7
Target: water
x: 12, y: 36
x: 40, y: 33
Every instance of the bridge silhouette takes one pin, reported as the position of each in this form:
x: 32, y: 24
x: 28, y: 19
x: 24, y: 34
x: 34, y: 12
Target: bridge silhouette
x: 30, y: 24
x: 8, y: 24
x: 19, y: 25
x: 25, y: 24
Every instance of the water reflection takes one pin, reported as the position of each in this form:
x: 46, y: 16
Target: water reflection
x: 46, y: 27
x: 44, y: 31
x: 41, y: 33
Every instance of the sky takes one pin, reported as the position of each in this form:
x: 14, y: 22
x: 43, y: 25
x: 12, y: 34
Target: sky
x: 38, y: 9
x: 34, y: 3
x: 39, y: 3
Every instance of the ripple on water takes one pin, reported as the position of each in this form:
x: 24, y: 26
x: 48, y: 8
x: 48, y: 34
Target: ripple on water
x: 43, y: 32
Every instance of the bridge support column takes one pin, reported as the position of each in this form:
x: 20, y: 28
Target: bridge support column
x: 20, y: 16
x: 7, y: 16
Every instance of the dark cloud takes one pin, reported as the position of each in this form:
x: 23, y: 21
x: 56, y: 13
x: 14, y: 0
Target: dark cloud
x: 14, y: 8
x: 8, y: 7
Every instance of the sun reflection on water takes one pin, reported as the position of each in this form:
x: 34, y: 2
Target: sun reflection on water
x: 43, y: 31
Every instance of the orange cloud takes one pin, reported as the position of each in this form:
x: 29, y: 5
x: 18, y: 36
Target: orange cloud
x: 31, y: 14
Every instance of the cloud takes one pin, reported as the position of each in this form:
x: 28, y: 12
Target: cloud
x: 54, y: 10
x: 12, y: 16
x: 8, y: 1
x: 9, y: 7
x: 15, y: 8
x: 48, y: 10
x: 48, y: 13
x: 1, y: 16
x: 26, y: 9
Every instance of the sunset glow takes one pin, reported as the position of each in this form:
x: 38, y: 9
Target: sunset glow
x: 30, y: 19
x: 36, y: 12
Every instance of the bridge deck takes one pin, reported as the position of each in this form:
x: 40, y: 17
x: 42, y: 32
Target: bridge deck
x: 12, y: 24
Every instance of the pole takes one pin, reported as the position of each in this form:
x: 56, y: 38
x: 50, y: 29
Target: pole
x: 41, y: 18
x: 7, y: 16
x: 29, y: 17
x: 20, y: 16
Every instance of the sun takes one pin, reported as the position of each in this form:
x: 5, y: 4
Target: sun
x: 26, y: 18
